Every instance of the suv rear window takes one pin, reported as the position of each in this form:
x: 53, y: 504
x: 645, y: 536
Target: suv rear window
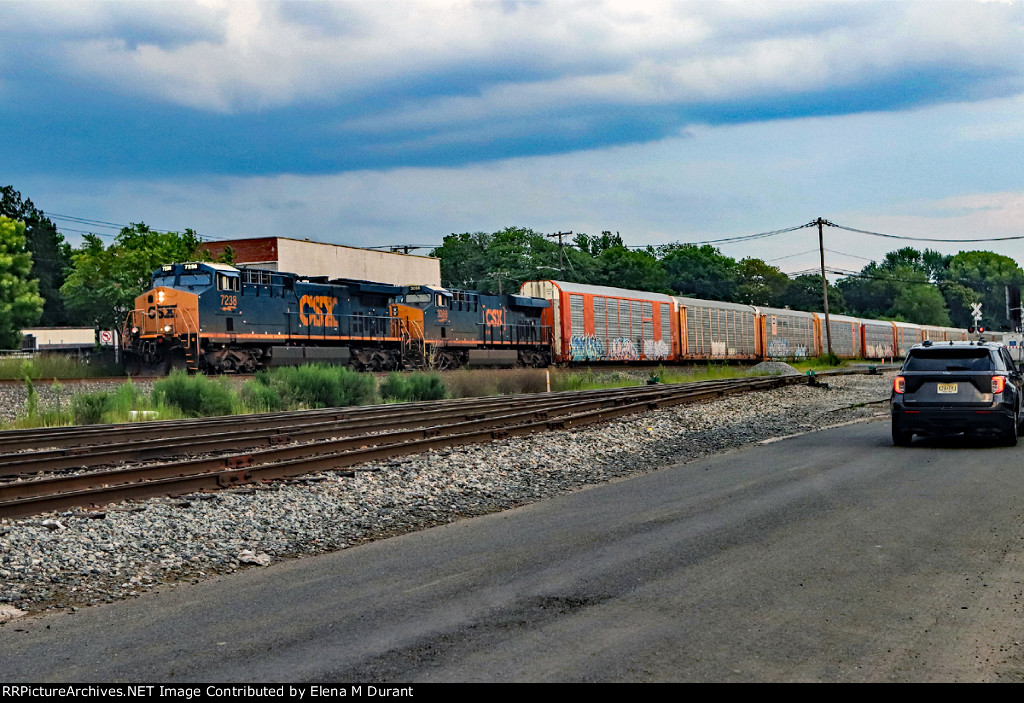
x: 949, y: 360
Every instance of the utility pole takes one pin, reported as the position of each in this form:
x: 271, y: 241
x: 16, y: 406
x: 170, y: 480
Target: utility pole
x: 561, y: 272
x: 824, y: 281
x: 499, y: 274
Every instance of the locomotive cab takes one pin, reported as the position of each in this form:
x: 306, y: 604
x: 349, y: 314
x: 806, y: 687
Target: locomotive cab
x: 164, y: 325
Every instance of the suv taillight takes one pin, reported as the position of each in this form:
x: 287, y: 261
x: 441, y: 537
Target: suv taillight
x: 998, y: 384
x: 899, y: 384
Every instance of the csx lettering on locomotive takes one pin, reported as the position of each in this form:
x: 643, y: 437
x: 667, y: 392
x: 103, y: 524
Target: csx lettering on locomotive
x: 318, y: 311
x: 494, y: 318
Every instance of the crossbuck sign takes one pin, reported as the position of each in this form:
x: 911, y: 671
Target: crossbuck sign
x: 976, y: 311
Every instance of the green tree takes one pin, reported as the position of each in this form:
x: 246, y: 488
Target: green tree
x: 871, y: 292
x: 958, y: 300
x: 626, y: 268
x: 922, y: 304
x: 759, y: 283
x: 518, y: 254
x: 700, y: 271
x: 595, y: 245
x: 464, y: 259
x: 504, y: 259
x: 804, y: 293
x: 51, y: 255
x: 104, y: 281
x: 20, y: 302
x: 987, y: 274
x: 900, y: 287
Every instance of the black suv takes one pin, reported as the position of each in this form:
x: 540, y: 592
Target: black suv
x: 957, y: 387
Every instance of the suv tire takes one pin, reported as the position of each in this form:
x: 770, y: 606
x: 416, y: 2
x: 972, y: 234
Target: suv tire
x: 1010, y: 438
x: 902, y: 438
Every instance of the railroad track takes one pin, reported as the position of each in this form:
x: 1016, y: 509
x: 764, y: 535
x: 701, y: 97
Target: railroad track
x: 86, y: 467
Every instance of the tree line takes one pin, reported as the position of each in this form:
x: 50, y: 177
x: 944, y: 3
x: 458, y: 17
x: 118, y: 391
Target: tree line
x: 908, y: 285
x: 44, y: 281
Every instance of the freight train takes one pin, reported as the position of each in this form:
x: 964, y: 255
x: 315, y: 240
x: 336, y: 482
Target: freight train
x: 215, y: 318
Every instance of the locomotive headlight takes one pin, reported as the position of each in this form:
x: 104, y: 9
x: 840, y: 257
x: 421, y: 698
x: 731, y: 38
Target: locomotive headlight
x: 160, y: 296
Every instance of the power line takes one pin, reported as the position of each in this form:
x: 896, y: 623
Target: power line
x: 742, y: 238
x: 853, y: 256
x: 926, y: 239
x: 111, y: 225
x: 790, y: 256
x: 815, y: 251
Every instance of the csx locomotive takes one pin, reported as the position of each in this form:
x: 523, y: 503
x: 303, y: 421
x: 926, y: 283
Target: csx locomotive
x: 216, y: 318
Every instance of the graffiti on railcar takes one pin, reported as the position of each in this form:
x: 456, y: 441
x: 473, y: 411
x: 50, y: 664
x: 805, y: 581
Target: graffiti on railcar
x: 655, y: 349
x: 585, y: 348
x: 879, y: 351
x: 622, y: 349
x: 781, y: 349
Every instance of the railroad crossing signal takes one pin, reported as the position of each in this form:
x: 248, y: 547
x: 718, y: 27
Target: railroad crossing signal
x: 976, y: 311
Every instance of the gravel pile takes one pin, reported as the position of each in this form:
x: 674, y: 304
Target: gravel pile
x: 75, y: 559
x: 774, y: 368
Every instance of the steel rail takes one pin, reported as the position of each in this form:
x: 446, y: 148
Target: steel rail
x: 24, y: 463
x: 97, y: 488
x: 67, y: 440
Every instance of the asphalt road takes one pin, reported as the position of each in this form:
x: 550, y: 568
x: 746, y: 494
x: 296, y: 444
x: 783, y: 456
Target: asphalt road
x: 831, y: 556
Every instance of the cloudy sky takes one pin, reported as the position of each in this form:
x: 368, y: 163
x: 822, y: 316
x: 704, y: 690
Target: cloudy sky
x: 377, y: 122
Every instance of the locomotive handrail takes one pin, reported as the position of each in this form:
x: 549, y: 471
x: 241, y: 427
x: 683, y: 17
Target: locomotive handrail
x: 379, y: 326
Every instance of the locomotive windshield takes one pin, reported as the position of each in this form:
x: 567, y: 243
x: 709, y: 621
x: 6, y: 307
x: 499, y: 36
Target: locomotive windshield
x: 163, y: 279
x: 417, y: 298
x: 194, y: 279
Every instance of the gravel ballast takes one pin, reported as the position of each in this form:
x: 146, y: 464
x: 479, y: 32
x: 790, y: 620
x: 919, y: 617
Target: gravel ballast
x: 75, y: 559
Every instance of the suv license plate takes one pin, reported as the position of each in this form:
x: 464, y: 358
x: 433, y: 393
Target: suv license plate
x: 947, y: 388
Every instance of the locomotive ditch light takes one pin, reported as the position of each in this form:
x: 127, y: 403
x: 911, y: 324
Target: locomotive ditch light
x: 167, y: 328
x: 135, y: 330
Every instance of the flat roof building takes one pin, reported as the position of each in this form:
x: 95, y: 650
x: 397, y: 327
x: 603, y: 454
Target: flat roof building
x: 307, y: 258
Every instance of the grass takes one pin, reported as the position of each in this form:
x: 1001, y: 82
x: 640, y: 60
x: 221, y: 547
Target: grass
x: 44, y: 366
x: 193, y: 396
x: 488, y: 382
x: 312, y: 386
x: 406, y: 387
x: 316, y: 386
